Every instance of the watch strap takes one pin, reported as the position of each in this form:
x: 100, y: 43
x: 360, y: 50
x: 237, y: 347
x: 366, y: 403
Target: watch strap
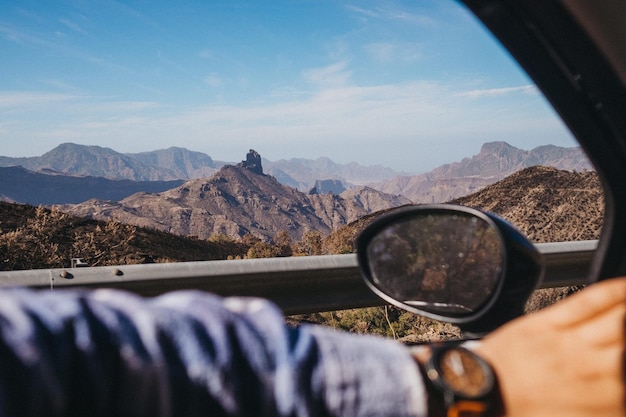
x: 444, y: 404
x: 434, y: 396
x: 466, y: 408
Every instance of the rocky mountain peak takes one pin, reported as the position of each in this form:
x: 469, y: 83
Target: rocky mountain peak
x: 499, y: 148
x: 235, y: 201
x: 252, y: 162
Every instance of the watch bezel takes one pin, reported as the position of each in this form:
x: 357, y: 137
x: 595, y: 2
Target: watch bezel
x: 435, y: 374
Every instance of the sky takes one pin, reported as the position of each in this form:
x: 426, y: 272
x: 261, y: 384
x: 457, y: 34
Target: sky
x: 409, y: 85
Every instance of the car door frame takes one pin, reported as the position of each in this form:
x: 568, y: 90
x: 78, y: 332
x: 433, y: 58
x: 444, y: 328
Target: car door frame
x: 568, y: 65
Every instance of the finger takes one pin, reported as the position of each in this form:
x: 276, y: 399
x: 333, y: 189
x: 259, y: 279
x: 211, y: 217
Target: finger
x: 595, y: 300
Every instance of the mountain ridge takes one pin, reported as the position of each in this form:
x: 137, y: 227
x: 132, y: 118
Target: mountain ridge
x: 494, y: 161
x: 177, y: 163
x: 18, y: 184
x: 548, y: 204
x: 237, y: 200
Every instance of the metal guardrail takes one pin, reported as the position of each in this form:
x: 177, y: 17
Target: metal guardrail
x: 297, y: 284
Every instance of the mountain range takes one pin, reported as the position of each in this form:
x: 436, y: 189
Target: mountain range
x: 495, y: 161
x: 67, y: 173
x: 238, y: 200
x: 182, y: 164
x: 203, y: 197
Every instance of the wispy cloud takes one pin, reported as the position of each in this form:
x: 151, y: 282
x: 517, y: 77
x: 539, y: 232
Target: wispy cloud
x: 388, y: 52
x: 20, y: 37
x: 412, y: 18
x: 391, y: 14
x: 336, y: 74
x: 113, y: 106
x: 493, y: 92
x: 72, y: 25
x: 381, y: 51
x: 213, y: 80
x: 80, y: 106
x: 13, y: 99
x: 62, y: 48
x: 365, y: 12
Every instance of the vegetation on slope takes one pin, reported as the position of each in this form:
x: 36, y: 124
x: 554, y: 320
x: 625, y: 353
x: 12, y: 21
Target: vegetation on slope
x: 35, y: 237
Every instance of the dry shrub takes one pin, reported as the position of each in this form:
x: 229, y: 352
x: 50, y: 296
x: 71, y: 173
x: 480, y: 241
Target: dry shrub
x: 36, y: 243
x: 108, y: 245
x: 384, y: 321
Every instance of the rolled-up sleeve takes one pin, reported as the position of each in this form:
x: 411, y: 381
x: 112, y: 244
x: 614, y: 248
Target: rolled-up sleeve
x: 111, y: 353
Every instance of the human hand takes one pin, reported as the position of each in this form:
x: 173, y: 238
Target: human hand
x: 567, y: 360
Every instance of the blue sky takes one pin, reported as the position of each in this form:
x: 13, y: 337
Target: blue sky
x: 410, y: 85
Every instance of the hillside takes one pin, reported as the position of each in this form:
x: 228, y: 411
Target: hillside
x: 546, y: 204
x: 33, y: 237
x: 237, y: 201
x: 234, y: 202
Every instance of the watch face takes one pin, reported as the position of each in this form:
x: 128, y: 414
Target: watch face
x: 465, y: 373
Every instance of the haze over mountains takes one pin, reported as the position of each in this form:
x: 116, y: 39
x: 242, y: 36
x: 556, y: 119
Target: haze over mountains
x: 182, y: 164
x: 494, y: 161
x: 237, y: 199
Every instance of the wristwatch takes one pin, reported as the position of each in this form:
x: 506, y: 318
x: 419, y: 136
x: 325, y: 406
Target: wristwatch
x: 459, y: 382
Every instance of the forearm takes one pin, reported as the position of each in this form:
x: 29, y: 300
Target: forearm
x: 112, y: 353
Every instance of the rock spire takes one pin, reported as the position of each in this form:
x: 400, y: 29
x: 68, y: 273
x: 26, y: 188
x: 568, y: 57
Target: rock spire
x: 252, y: 162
